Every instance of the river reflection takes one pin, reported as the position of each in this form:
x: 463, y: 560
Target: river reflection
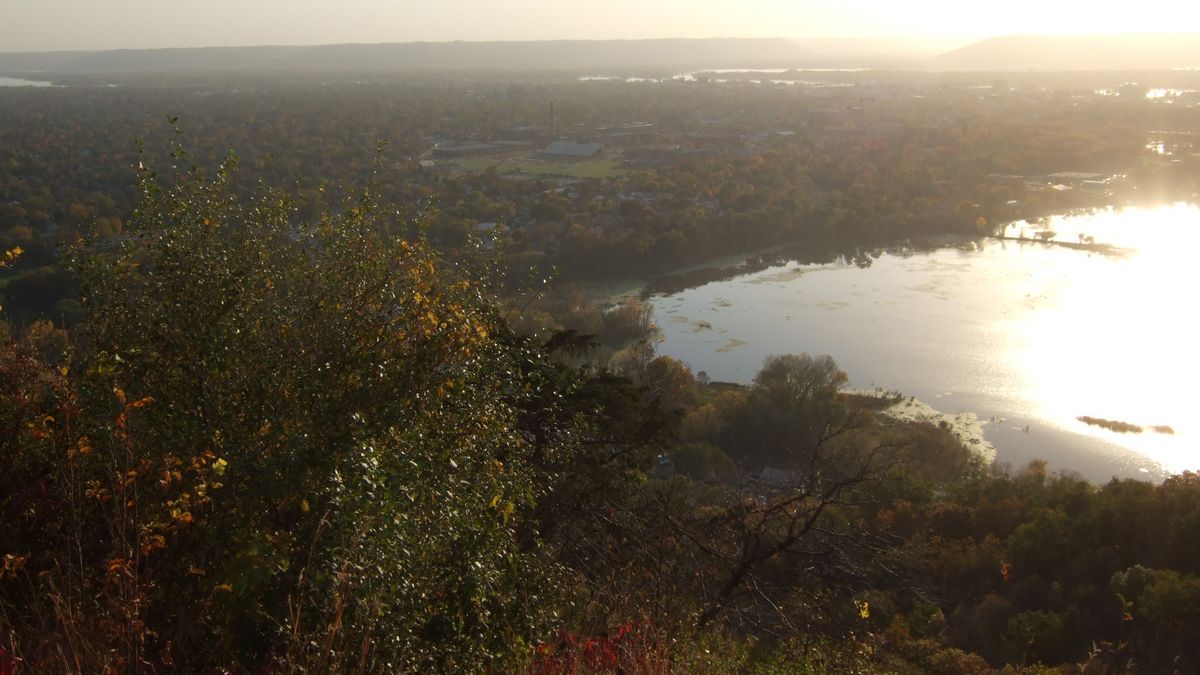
x: 20, y: 82
x: 1096, y: 321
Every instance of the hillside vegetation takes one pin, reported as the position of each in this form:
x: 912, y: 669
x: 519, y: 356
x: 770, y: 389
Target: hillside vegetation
x: 271, y: 447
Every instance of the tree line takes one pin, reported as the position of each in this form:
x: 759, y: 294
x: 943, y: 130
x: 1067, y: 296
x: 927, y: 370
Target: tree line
x: 266, y: 447
x: 927, y: 159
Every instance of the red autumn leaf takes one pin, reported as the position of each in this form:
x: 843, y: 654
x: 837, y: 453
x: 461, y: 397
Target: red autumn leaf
x: 8, y: 665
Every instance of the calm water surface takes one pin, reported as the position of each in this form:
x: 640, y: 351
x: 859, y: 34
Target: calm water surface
x: 1027, y: 335
x: 18, y: 82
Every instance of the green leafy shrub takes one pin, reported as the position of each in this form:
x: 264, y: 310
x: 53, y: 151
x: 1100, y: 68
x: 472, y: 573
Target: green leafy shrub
x: 289, y: 446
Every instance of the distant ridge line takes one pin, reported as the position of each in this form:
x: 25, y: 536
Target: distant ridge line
x: 508, y: 55
x: 999, y: 54
x: 1135, y: 51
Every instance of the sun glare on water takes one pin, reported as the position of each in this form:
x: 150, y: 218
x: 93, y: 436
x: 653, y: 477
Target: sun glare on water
x: 1116, y: 339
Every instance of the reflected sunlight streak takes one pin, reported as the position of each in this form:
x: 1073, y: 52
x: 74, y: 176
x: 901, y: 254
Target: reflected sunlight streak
x: 1115, y: 337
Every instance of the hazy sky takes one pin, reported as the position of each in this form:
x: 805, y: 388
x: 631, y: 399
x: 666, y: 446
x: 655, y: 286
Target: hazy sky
x: 109, y: 24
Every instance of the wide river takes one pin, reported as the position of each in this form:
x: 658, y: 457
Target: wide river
x: 1029, y: 336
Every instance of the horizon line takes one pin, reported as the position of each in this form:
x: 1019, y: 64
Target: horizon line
x: 799, y: 39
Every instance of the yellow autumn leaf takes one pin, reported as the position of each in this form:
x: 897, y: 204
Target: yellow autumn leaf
x: 10, y: 256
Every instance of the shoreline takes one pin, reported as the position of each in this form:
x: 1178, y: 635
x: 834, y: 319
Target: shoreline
x: 965, y: 427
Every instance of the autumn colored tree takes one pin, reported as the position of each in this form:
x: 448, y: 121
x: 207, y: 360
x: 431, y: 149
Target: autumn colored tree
x: 280, y: 444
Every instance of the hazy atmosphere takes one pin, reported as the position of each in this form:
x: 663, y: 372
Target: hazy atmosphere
x: 138, y: 24
x: 656, y: 337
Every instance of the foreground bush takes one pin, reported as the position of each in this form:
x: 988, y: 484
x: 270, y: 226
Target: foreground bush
x: 271, y: 446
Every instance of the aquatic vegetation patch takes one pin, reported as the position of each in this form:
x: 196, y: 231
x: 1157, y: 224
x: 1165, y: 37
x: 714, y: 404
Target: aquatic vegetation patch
x: 1111, y: 425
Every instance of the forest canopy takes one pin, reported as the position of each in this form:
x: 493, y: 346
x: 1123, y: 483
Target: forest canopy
x: 295, y: 431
